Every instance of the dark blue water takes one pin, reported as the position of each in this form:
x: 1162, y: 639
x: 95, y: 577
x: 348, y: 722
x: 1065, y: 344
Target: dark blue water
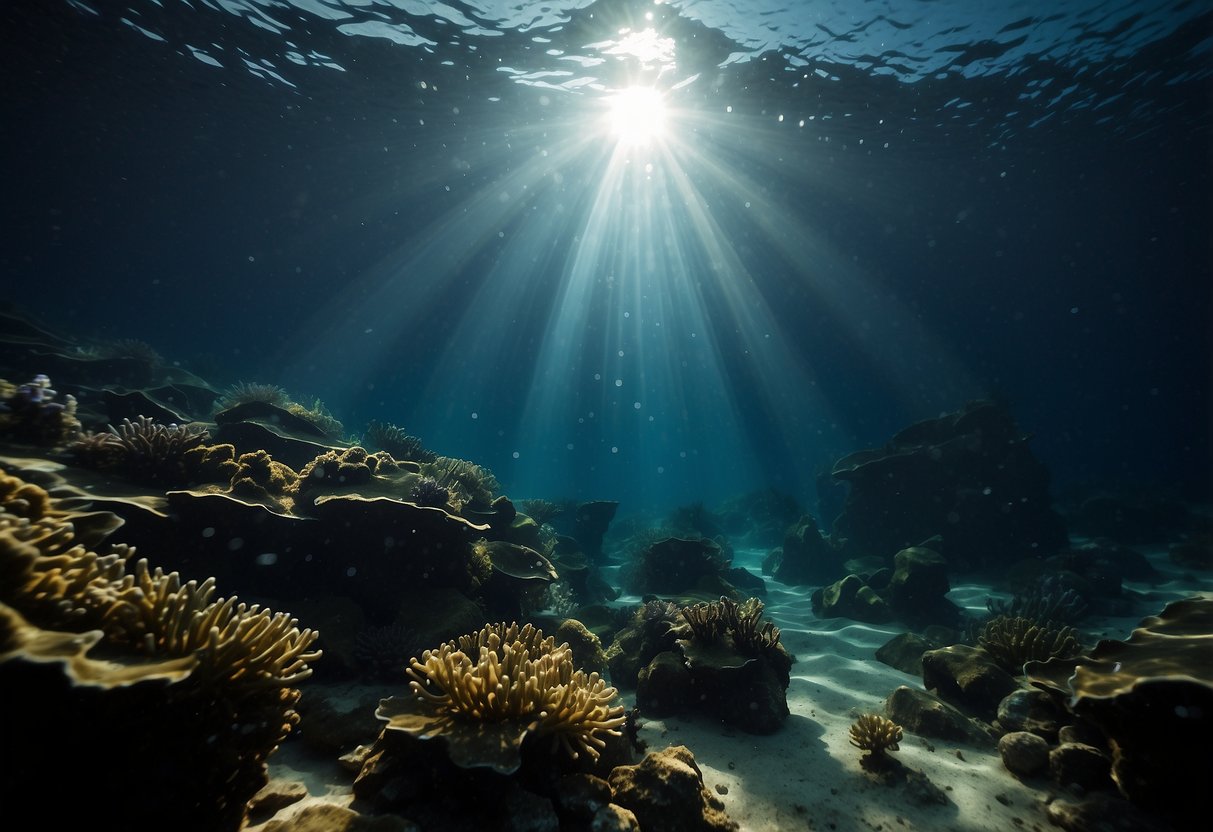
x: 859, y: 215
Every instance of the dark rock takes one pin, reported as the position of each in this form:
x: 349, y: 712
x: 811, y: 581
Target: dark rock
x: 1194, y: 553
x: 590, y: 523
x: 968, y: 477
x: 1024, y: 753
x: 580, y: 796
x: 745, y: 580
x: 665, y: 791
x: 329, y: 817
x: 807, y: 557
x: 904, y: 652
x: 1130, y: 519
x: 663, y: 687
x: 528, y: 812
x: 614, y: 818
x: 967, y: 676
x: 925, y: 715
x: 1031, y: 710
x: 918, y: 587
x: 1084, y: 733
x: 851, y: 598
x: 1101, y: 812
x: 922, y: 791
x: 275, y: 796
x: 1082, y: 765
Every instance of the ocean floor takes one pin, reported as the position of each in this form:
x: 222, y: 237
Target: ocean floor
x: 807, y: 775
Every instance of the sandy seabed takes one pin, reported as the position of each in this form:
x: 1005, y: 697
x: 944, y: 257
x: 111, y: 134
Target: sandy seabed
x: 807, y: 775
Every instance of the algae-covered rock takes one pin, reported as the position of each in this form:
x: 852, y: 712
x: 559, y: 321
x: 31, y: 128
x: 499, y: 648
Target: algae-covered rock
x: 851, y: 598
x: 968, y: 677
x: 666, y: 792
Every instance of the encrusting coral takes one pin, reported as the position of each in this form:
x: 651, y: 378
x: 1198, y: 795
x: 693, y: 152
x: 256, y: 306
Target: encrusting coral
x: 487, y: 692
x: 192, y: 696
x: 1013, y: 642
x: 876, y: 735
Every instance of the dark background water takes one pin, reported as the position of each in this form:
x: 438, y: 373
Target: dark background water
x: 988, y: 234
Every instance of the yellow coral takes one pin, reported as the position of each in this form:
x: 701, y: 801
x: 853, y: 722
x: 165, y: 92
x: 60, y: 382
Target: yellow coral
x: 490, y: 690
x: 875, y: 734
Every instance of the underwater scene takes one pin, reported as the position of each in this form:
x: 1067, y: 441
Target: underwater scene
x: 607, y: 415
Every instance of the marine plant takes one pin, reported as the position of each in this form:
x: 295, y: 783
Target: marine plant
x: 469, y: 483
x: 1012, y: 642
x: 541, y: 511
x: 488, y: 692
x: 394, y: 440
x: 876, y: 735
x: 243, y: 392
x: 319, y: 416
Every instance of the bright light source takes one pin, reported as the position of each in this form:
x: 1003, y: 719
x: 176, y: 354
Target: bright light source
x: 637, y: 115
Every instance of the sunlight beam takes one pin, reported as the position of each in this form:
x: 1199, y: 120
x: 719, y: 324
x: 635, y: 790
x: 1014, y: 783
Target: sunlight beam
x: 637, y: 115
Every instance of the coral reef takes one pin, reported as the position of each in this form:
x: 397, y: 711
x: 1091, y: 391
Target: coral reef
x: 187, y: 694
x: 876, y: 735
x: 1013, y: 642
x: 488, y: 692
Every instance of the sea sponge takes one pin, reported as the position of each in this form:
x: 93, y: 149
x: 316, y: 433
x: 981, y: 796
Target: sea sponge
x: 489, y: 691
x: 1012, y: 642
x: 876, y: 735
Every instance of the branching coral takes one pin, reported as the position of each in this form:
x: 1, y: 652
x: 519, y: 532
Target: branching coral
x: 876, y: 735
x: 1013, y: 642
x: 155, y: 453
x: 489, y: 691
